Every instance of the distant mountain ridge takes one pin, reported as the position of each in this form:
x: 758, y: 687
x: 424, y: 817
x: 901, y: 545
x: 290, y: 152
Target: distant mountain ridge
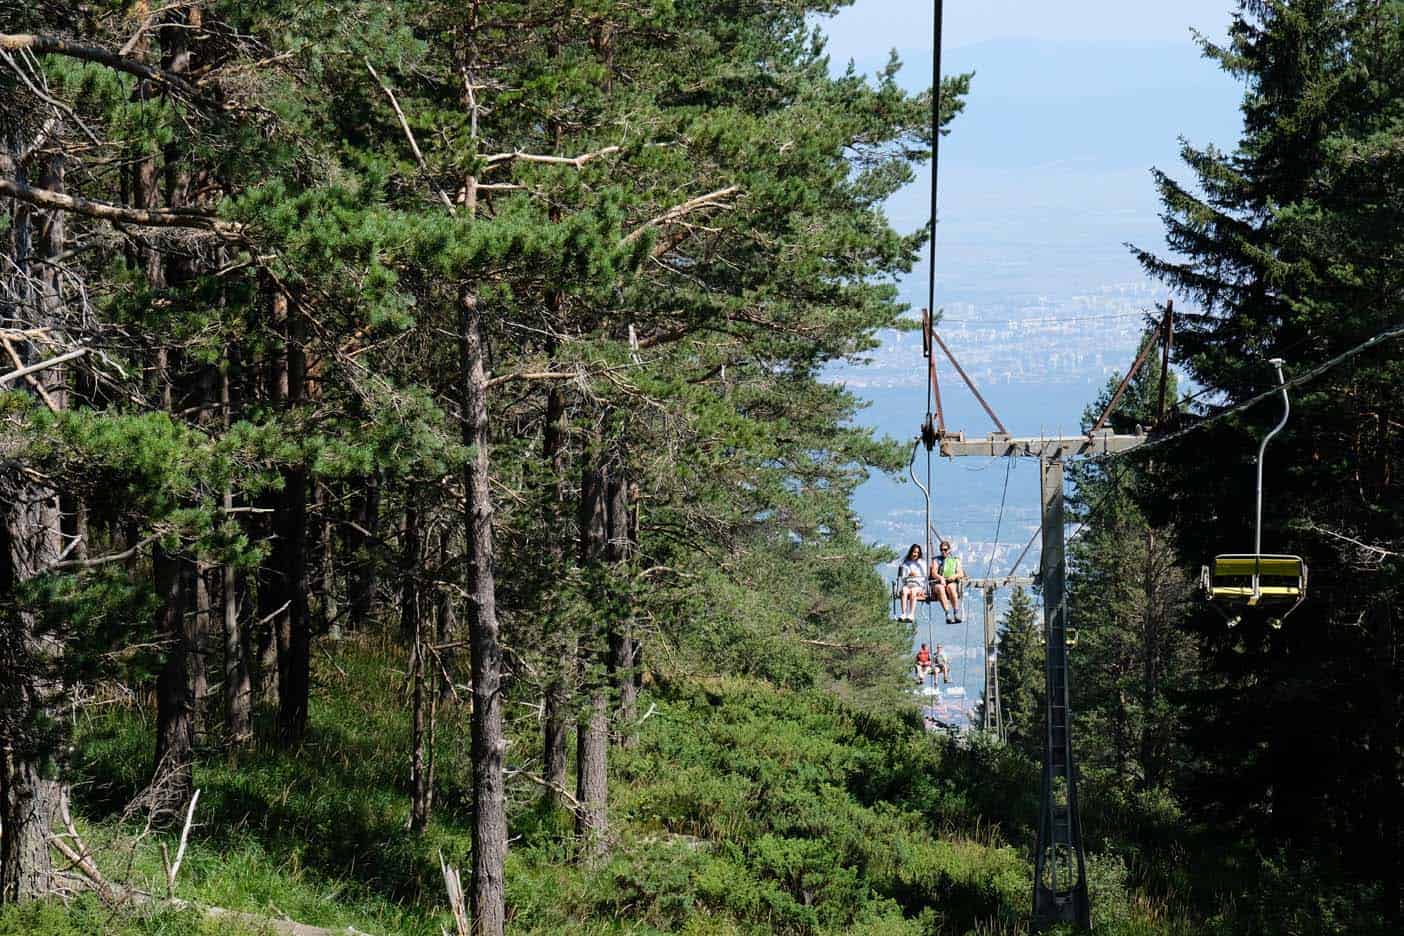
x: 1126, y: 102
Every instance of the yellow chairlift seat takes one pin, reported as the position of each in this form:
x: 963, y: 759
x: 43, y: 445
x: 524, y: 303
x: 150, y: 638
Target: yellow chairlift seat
x: 1255, y: 578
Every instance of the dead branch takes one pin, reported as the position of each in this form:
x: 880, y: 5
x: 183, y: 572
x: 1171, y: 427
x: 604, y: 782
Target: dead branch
x: 532, y: 375
x: 173, y: 867
x: 848, y: 648
x: 541, y: 781
x: 32, y: 368
x: 79, y: 854
x: 454, y: 885
x: 409, y: 135
x: 1378, y: 553
x: 34, y: 384
x: 104, y: 560
x: 677, y: 212
x: 497, y: 159
x: 53, y: 45
x: 169, y: 217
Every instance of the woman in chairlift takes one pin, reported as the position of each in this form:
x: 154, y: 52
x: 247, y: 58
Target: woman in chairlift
x: 911, y: 578
x: 946, y: 575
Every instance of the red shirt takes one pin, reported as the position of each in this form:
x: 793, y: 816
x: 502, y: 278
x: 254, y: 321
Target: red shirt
x: 923, y: 656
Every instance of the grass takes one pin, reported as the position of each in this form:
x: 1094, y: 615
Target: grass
x: 744, y: 809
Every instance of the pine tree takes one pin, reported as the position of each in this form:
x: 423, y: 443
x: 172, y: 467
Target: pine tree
x: 1291, y: 251
x: 1021, y: 674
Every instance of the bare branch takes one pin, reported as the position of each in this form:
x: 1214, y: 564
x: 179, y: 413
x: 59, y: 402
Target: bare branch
x: 176, y: 218
x: 42, y: 365
x: 53, y: 45
x: 409, y: 135
x: 173, y: 868
x: 677, y: 212
x: 104, y: 560
x: 29, y: 378
x: 532, y: 375
x: 541, y: 781
x: 1378, y: 552
x: 497, y: 159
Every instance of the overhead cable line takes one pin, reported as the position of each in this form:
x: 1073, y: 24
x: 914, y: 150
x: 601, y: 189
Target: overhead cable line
x: 1381, y: 338
x: 999, y: 520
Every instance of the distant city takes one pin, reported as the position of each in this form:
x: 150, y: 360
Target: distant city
x: 1039, y: 360
x: 1083, y: 339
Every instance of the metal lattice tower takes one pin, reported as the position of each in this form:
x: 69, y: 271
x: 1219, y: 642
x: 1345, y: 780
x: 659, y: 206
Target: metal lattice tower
x: 1060, y: 874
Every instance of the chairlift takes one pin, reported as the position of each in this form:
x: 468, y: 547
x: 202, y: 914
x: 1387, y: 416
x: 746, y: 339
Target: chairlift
x: 1237, y: 581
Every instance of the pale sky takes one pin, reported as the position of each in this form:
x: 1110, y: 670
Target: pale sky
x: 871, y: 27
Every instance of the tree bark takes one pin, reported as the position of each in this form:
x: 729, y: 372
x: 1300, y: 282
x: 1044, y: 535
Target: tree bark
x: 592, y: 733
x: 489, y: 743
x: 361, y: 543
x: 31, y: 539
x: 327, y: 607
x: 172, y: 781
x: 414, y: 632
x: 592, y: 775
x: 295, y: 634
x: 621, y: 634
x: 1386, y: 744
x: 238, y: 682
x: 446, y: 617
x: 559, y: 639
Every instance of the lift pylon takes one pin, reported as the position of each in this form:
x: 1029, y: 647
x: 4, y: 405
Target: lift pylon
x: 992, y: 719
x: 1060, y: 874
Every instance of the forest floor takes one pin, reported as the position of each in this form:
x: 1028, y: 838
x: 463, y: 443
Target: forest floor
x: 744, y: 809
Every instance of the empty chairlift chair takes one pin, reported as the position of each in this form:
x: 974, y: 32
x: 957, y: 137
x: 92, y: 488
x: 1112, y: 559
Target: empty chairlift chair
x: 1257, y: 580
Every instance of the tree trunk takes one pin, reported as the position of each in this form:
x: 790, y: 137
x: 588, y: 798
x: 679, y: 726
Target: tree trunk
x: 592, y: 733
x: 327, y: 609
x: 1386, y: 744
x: 1150, y: 646
x: 621, y: 634
x: 31, y: 742
x: 411, y: 564
x: 238, y: 684
x: 421, y: 786
x: 592, y: 775
x: 295, y: 634
x: 559, y: 639
x: 172, y: 781
x: 203, y: 584
x: 361, y: 543
x: 414, y: 632
x: 31, y: 539
x: 490, y: 817
x: 446, y: 617
x: 172, y: 778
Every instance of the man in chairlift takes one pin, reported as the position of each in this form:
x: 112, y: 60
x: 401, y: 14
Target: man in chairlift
x: 946, y: 576
x: 940, y: 666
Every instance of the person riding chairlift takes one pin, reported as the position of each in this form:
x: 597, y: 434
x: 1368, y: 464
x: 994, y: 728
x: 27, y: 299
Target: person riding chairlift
x: 911, y: 577
x: 946, y: 575
x: 941, y: 665
x: 923, y: 662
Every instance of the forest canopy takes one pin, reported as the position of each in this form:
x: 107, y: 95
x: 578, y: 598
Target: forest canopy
x: 417, y: 451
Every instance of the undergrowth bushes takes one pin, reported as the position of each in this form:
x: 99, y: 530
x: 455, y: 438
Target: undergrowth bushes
x: 745, y: 808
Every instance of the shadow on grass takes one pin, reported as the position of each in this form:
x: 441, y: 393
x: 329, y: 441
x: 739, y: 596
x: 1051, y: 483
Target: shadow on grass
x: 336, y: 805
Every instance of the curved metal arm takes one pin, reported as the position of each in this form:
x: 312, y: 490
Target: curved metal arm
x: 1286, y: 411
x: 926, y: 497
